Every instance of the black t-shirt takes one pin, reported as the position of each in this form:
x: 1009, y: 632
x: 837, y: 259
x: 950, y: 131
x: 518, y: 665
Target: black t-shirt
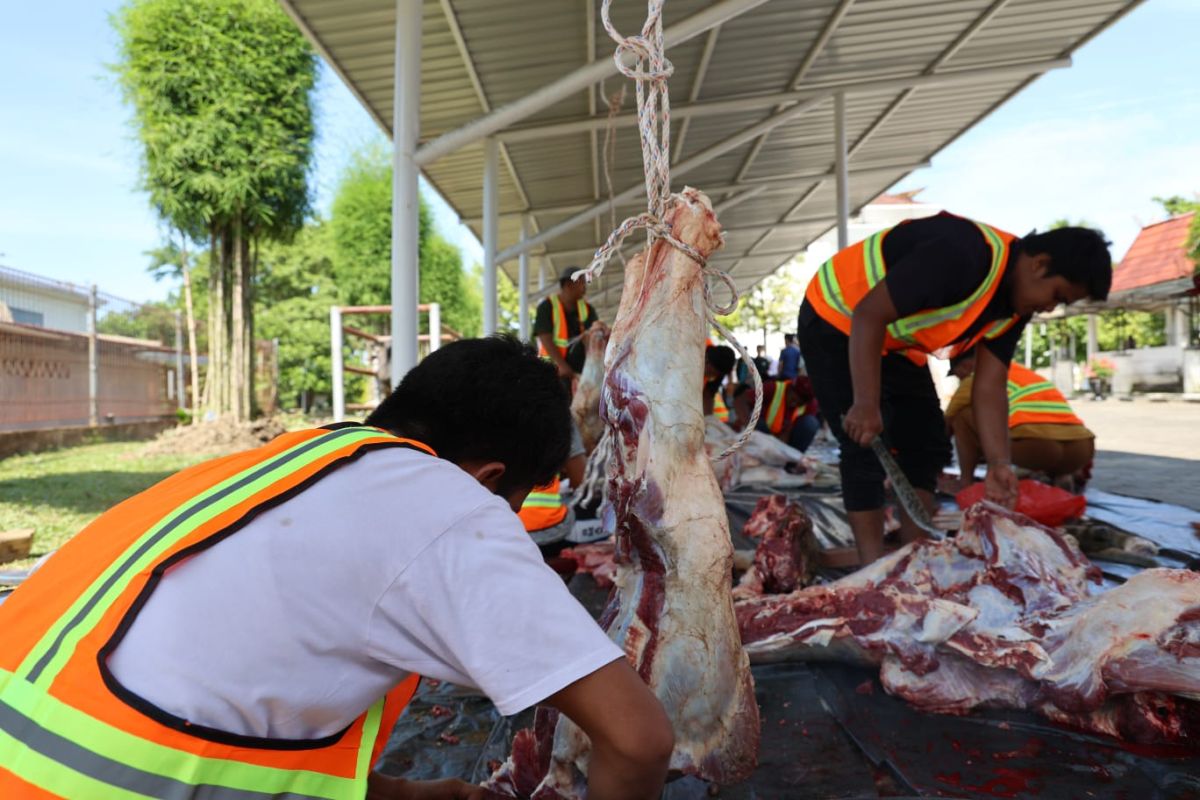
x: 543, y: 322
x: 938, y: 261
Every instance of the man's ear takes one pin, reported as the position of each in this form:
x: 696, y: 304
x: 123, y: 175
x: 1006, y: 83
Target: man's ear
x: 488, y: 473
x: 1041, y: 265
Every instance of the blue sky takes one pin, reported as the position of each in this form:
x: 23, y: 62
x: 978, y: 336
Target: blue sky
x: 1094, y: 142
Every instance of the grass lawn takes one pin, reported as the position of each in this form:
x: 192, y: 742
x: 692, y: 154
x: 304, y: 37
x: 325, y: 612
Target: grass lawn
x: 59, y: 492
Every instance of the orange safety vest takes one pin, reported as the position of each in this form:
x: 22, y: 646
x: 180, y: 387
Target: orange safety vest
x: 67, y: 729
x: 845, y: 279
x: 720, y: 410
x: 544, y: 507
x: 1032, y: 399
x: 775, y: 406
x: 559, y: 320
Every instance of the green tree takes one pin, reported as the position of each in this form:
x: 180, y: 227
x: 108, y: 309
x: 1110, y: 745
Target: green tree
x: 220, y: 94
x: 361, y: 228
x: 174, y: 261
x: 772, y: 305
x: 295, y: 289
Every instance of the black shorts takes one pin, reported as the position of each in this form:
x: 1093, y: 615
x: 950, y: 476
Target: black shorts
x: 913, y: 425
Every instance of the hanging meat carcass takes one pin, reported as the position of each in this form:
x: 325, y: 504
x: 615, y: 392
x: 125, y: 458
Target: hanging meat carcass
x: 585, y: 405
x: 671, y: 609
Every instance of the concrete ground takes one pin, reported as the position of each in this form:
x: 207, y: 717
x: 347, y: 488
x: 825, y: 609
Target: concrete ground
x: 1146, y: 449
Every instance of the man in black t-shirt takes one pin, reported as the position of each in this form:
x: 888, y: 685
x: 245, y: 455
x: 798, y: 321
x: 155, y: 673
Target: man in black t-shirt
x: 930, y: 286
x: 559, y: 321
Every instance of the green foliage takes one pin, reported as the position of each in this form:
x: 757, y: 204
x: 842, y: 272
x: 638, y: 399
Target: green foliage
x: 154, y: 321
x: 294, y: 291
x: 1113, y: 330
x: 772, y: 305
x: 361, y: 226
x: 220, y: 93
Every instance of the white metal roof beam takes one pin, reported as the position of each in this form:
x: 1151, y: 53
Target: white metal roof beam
x: 710, y: 44
x: 757, y: 102
x: 473, y: 74
x: 949, y: 52
x: 727, y: 144
x: 784, y: 182
x: 576, y: 81
x: 814, y: 52
x: 730, y: 142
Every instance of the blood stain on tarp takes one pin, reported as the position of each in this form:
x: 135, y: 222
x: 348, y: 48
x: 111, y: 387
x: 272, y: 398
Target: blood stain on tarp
x: 1008, y: 783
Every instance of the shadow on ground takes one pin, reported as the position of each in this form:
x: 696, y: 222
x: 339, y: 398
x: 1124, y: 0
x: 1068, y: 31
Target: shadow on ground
x: 87, y: 492
x: 1169, y: 480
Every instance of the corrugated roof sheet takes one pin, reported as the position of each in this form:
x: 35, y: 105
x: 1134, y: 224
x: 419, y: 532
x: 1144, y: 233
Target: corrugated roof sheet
x: 516, y: 48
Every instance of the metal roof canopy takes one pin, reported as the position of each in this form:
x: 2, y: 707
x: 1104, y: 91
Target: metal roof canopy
x: 502, y: 106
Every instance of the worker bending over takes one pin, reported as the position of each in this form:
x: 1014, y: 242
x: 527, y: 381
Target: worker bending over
x: 933, y: 286
x: 719, y: 361
x: 253, y: 625
x: 1045, y: 434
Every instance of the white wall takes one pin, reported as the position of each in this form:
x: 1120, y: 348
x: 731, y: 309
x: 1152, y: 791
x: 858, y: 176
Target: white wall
x: 59, y: 311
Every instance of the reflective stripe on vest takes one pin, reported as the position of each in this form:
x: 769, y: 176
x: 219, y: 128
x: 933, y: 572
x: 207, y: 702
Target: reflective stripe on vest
x: 720, y: 410
x: 544, y: 507
x: 1032, y: 400
x: 63, y: 729
x: 774, y: 415
x: 562, y: 337
x: 843, y: 280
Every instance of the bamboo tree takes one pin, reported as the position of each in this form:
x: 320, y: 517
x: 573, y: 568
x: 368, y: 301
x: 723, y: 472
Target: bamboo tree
x: 220, y: 93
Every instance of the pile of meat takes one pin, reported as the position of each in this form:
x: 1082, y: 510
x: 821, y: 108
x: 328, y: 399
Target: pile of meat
x: 1006, y: 614
x: 671, y: 609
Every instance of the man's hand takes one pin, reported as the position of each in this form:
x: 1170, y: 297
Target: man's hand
x: 1001, y: 485
x: 564, y: 369
x: 863, y: 423
x: 381, y: 787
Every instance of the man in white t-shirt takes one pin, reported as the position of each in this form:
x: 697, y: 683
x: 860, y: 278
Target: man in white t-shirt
x: 400, y: 562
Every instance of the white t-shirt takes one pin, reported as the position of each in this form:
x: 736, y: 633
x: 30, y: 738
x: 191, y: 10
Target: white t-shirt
x: 395, y: 563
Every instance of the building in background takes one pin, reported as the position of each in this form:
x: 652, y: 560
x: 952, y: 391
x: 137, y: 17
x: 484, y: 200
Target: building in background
x: 59, y: 369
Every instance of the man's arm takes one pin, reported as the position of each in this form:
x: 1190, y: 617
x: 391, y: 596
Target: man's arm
x: 630, y: 733
x: 548, y: 346
x: 989, y: 400
x: 873, y: 314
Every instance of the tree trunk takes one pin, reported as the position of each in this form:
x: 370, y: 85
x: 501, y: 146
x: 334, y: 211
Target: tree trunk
x: 249, y: 262
x: 238, y: 306
x: 191, y: 329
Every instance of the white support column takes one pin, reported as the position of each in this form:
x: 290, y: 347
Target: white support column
x: 1029, y: 345
x: 491, y: 221
x: 337, y: 368
x: 1178, y: 320
x: 406, y: 127
x: 435, y: 326
x: 1093, y: 345
x: 843, y: 177
x: 523, y: 287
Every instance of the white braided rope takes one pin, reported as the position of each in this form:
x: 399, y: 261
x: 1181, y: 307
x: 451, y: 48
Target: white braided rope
x: 650, y: 72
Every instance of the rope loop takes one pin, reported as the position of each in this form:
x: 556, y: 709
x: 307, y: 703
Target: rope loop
x: 650, y: 71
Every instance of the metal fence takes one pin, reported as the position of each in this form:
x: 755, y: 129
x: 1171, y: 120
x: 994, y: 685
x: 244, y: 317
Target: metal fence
x: 74, y: 355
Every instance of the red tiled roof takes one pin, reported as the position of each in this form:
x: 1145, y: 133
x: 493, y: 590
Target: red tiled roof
x: 1157, y: 255
x: 906, y: 198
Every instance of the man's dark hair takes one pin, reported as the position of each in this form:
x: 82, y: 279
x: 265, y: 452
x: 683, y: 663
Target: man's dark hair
x: 789, y: 338
x: 1078, y: 254
x: 487, y: 399
x: 720, y: 358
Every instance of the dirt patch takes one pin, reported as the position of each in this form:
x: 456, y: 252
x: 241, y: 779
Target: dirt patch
x: 219, y: 437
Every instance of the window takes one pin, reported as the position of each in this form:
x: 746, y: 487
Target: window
x: 27, y: 317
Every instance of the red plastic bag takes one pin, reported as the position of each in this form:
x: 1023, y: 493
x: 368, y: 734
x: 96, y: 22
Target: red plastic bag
x: 1042, y: 502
